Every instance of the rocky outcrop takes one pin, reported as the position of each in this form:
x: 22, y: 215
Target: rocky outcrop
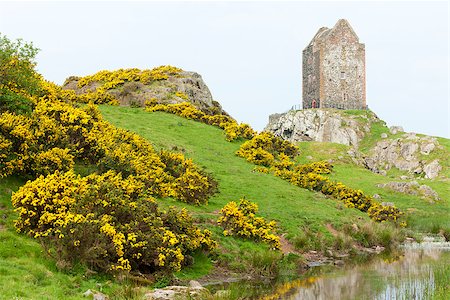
x: 407, y: 153
x: 321, y: 125
x: 185, y: 86
x: 412, y: 188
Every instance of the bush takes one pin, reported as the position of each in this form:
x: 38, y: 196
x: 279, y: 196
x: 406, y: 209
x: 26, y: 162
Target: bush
x: 239, y: 219
x: 191, y: 184
x: 106, y: 223
x: 57, y: 125
x: 49, y: 161
x: 382, y: 213
x: 232, y: 129
x: 320, y: 167
x: 265, y: 148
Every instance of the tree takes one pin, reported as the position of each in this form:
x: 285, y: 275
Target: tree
x: 18, y: 78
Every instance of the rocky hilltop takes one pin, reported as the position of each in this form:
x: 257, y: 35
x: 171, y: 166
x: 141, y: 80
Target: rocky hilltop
x: 130, y: 88
x: 372, y: 144
x: 321, y: 125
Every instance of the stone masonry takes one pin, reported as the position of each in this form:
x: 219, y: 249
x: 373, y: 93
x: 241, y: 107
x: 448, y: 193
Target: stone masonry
x: 334, y: 69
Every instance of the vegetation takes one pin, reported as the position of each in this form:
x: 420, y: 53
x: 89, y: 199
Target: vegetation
x: 240, y: 219
x: 18, y: 78
x: 150, y: 197
x: 232, y: 129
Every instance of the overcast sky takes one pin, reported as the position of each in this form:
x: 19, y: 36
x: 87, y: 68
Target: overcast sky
x: 249, y: 53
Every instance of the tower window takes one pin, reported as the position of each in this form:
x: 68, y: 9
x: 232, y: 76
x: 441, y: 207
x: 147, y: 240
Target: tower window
x: 342, y: 75
x: 345, y: 96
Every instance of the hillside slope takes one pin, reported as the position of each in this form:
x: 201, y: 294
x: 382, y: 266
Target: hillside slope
x: 293, y: 207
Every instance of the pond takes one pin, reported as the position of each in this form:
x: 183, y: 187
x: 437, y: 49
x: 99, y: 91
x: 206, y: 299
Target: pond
x: 419, y: 271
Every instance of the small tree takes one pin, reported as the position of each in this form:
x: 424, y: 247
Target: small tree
x: 18, y: 79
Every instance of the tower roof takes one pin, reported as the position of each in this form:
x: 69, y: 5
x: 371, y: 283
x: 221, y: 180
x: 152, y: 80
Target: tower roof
x: 324, y: 32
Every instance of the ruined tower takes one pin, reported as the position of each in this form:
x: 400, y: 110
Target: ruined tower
x: 334, y: 69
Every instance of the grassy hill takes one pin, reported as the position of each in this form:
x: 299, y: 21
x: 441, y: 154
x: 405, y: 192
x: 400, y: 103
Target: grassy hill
x: 304, y: 218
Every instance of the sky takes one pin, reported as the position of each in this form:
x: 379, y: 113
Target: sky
x: 249, y: 53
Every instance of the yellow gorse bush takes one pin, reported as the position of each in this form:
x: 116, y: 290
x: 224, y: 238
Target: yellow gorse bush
x: 106, y: 222
x: 266, y: 149
x: 112, y: 79
x: 241, y: 220
x: 56, y: 133
x: 106, y: 80
x: 232, y: 129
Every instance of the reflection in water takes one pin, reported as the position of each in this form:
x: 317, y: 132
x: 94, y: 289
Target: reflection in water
x: 410, y: 276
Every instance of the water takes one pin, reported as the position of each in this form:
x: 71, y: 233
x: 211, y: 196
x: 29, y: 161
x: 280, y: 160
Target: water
x: 419, y: 271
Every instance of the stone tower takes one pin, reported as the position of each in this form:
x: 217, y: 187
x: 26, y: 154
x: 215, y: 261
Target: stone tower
x: 334, y: 69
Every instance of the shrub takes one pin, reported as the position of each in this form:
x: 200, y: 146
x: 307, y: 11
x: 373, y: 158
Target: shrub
x: 191, y: 185
x: 320, y: 167
x: 382, y: 213
x: 241, y: 220
x: 49, y: 161
x: 232, y: 129
x: 57, y: 125
x: 264, y: 148
x: 105, y: 222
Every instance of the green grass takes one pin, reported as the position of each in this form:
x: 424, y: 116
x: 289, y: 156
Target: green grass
x: 422, y: 215
x: 290, y: 206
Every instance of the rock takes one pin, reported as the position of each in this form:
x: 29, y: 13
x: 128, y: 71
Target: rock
x: 194, y: 284
x: 432, y: 169
x: 428, y: 192
x: 407, y: 150
x: 321, y: 125
x: 412, y: 188
x: 195, y: 292
x: 338, y: 262
x: 95, y: 295
x: 379, y: 249
x: 309, y: 157
x: 376, y: 196
x: 426, y: 148
x: 403, y: 154
x: 384, y: 135
x: 389, y: 204
x: 395, y: 129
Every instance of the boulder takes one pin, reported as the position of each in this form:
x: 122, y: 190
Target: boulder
x: 95, y: 295
x: 192, y: 292
x: 405, y: 154
x: 432, y: 169
x: 412, y: 188
x: 395, y: 129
